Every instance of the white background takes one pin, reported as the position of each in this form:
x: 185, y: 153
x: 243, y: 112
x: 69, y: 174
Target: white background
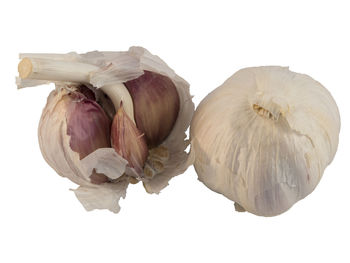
x: 205, y: 42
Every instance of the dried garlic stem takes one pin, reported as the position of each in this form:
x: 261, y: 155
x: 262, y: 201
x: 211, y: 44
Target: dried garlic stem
x: 53, y: 56
x: 54, y: 70
x: 118, y: 93
x: 55, y: 67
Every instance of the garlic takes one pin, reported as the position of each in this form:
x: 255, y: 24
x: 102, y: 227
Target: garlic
x: 156, y: 105
x: 55, y: 145
x: 122, y: 95
x: 104, y: 81
x: 264, y: 138
x: 128, y: 141
x: 87, y: 125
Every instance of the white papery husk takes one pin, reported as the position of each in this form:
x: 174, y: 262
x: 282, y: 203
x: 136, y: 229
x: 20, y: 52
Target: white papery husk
x: 111, y: 68
x: 265, y: 164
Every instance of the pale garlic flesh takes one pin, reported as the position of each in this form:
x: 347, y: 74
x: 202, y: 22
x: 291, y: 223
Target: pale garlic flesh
x: 91, y: 130
x: 264, y: 138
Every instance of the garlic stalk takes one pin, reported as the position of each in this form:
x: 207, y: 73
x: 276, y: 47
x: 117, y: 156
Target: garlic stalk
x: 41, y: 68
x: 55, y: 70
x: 264, y: 138
x: 103, y: 172
x: 121, y: 96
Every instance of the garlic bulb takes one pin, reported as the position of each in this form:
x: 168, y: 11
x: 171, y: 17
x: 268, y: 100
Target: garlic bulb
x: 264, y: 138
x: 114, y: 118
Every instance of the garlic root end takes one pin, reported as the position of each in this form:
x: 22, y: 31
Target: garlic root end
x: 239, y: 208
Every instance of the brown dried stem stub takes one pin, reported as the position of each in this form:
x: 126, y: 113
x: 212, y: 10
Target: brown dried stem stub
x: 155, y: 162
x: 263, y: 112
x: 160, y: 152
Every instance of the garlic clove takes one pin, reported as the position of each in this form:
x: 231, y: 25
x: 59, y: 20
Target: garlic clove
x: 87, y: 124
x: 88, y: 127
x: 156, y: 105
x: 128, y: 141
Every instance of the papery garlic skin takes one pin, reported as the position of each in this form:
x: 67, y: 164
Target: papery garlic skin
x: 264, y: 138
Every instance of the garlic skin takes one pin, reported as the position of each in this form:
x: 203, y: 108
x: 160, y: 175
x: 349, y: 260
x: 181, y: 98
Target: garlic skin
x: 264, y: 138
x: 106, y: 73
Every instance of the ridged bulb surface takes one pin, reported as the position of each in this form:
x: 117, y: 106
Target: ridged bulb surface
x: 264, y: 138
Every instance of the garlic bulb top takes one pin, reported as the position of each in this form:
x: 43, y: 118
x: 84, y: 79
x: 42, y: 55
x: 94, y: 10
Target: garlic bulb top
x: 95, y: 128
x: 264, y: 138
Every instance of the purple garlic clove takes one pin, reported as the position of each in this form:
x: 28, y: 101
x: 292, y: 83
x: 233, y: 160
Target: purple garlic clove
x: 88, y: 127
x: 156, y: 105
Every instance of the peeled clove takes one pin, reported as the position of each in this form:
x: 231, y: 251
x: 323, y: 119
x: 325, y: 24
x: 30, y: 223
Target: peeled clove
x: 156, y: 105
x: 128, y: 141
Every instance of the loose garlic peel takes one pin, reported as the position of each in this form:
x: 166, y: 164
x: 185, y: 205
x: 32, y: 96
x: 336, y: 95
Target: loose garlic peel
x: 105, y: 70
x: 264, y: 138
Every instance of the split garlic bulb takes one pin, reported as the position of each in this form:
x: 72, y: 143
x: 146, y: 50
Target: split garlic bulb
x: 114, y: 118
x: 264, y: 138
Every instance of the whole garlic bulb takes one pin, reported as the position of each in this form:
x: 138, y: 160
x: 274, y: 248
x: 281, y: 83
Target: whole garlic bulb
x: 264, y: 138
x: 114, y: 118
